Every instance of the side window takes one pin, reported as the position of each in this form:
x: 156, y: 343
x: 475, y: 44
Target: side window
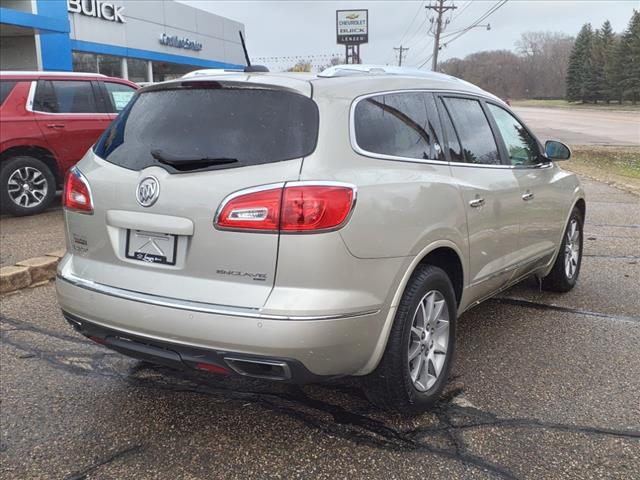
x: 521, y: 146
x: 64, y: 96
x: 399, y: 124
x: 119, y: 95
x: 453, y: 142
x: 474, y: 131
x: 5, y: 89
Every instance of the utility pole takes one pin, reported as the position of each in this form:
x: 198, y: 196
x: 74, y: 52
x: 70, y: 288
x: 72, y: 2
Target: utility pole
x: 401, y: 51
x: 439, y: 8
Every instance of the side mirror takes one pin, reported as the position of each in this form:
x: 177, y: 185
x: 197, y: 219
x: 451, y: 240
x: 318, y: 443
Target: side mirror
x: 555, y: 150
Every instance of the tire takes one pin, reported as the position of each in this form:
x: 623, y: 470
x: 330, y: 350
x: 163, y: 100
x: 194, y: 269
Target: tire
x: 39, y: 191
x: 391, y: 386
x: 562, y: 278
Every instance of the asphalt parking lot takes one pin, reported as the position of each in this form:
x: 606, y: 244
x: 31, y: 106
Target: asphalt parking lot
x: 544, y: 386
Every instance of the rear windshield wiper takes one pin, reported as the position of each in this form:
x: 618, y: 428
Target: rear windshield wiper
x: 182, y: 160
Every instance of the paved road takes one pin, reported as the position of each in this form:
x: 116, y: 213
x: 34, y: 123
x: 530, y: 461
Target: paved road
x: 583, y: 126
x: 544, y: 386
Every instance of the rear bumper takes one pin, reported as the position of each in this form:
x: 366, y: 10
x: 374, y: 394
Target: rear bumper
x: 182, y: 356
x: 313, y: 348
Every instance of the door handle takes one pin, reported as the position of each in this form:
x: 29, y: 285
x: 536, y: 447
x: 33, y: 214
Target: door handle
x: 476, y: 202
x: 55, y: 125
x: 527, y: 196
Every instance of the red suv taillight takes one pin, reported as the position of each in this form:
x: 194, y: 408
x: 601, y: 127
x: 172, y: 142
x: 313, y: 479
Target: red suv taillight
x: 77, y: 195
x: 294, y: 207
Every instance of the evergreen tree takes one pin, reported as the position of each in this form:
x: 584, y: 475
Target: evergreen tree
x: 580, y: 68
x: 629, y: 58
x: 602, y: 50
x: 609, y: 43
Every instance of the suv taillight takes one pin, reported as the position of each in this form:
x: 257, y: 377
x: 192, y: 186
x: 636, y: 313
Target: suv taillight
x: 294, y: 207
x: 77, y: 195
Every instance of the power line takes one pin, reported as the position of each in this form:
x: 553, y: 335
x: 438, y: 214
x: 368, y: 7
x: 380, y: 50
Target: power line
x: 483, y: 17
x: 412, y: 21
x: 415, y: 16
x: 440, y: 8
x: 461, y: 10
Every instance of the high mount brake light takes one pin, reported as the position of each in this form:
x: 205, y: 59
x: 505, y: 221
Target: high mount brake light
x: 77, y: 194
x: 296, y: 207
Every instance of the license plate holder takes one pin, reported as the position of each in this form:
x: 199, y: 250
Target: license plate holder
x: 151, y: 247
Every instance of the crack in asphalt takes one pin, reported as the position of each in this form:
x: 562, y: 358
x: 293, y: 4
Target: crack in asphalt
x: 611, y: 225
x: 444, y: 439
x: 82, y: 474
x: 624, y: 257
x: 521, y: 302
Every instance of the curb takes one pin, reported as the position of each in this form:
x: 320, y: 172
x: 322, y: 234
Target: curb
x: 31, y: 272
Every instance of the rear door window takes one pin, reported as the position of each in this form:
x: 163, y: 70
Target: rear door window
x: 5, y: 89
x: 399, y: 125
x: 186, y: 129
x: 471, y: 124
x: 65, y: 96
x: 119, y: 96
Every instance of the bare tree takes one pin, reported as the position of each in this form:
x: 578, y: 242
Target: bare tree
x: 536, y: 70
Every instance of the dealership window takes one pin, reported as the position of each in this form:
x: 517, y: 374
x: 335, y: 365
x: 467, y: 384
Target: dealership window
x: 168, y: 71
x: 95, y: 63
x: 137, y: 70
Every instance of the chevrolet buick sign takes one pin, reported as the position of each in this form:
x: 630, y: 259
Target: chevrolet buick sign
x: 98, y: 9
x: 180, y: 42
x: 352, y: 26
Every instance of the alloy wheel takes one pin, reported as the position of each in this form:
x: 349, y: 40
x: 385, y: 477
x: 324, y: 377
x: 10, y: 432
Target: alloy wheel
x: 428, y: 341
x: 572, y: 249
x: 27, y: 187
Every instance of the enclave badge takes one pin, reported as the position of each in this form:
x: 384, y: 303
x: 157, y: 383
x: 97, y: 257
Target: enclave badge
x: 148, y: 191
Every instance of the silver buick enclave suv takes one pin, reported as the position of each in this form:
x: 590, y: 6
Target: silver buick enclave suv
x: 304, y: 227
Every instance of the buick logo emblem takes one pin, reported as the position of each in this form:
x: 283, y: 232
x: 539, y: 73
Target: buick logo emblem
x: 148, y: 191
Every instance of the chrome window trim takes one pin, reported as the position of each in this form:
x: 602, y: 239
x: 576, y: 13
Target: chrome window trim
x: 359, y: 150
x: 32, y: 94
x: 195, y: 306
x: 298, y: 183
x: 352, y: 130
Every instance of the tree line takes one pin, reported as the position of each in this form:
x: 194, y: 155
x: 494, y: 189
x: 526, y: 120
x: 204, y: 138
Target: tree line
x: 536, y: 69
x: 595, y: 66
x: 604, y: 66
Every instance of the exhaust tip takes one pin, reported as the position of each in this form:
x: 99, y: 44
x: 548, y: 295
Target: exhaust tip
x: 266, y: 369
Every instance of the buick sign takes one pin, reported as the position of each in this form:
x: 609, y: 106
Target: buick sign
x: 98, y: 9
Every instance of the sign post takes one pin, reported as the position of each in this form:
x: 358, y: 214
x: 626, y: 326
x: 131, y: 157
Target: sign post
x: 352, y: 30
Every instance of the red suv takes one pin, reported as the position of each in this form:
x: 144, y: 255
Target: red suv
x: 48, y: 120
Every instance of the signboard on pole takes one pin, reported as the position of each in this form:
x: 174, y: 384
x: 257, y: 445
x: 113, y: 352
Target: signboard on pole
x: 352, y: 26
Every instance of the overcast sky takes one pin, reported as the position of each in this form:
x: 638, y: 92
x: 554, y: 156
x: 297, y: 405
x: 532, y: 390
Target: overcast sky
x: 303, y: 28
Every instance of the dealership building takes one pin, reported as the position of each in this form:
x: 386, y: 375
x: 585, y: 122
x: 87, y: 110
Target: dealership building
x: 141, y: 40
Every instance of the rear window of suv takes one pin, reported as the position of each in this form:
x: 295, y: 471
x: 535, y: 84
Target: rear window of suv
x: 187, y: 129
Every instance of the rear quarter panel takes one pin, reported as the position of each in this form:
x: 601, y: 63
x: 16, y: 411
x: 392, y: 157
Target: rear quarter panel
x: 18, y: 126
x: 402, y: 207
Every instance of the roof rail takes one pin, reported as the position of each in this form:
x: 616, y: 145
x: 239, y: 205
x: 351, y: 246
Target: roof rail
x: 357, y: 69
x: 61, y: 74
